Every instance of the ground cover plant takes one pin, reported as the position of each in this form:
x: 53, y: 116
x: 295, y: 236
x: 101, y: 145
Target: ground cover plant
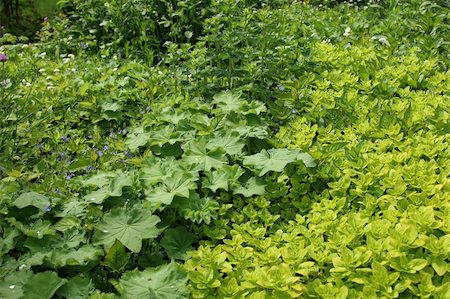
x: 238, y: 149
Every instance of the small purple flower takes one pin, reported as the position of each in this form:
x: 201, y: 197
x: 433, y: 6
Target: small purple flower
x: 99, y: 153
x: 69, y: 176
x: 89, y: 168
x: 64, y: 138
x: 281, y: 87
x: 3, y: 58
x: 128, y: 154
x: 39, y: 145
x: 106, y: 147
x: 294, y: 111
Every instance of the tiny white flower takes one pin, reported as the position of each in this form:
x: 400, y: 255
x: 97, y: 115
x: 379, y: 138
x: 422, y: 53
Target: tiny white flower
x: 347, y: 31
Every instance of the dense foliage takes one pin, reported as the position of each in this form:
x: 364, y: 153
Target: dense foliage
x: 22, y: 18
x: 227, y: 149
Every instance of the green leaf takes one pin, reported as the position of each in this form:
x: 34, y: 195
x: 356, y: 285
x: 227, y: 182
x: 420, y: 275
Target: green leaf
x: 231, y: 142
x: 440, y: 265
x: 114, y: 189
x: 276, y: 160
x: 82, y: 256
x: 196, y: 153
x: 224, y: 178
x: 253, y: 107
x: 228, y: 101
x: 111, y: 106
x: 99, y: 180
x: 417, y: 264
x: 98, y: 196
x: 32, y: 199
x: 179, y: 184
x: 176, y: 242
x: 137, y: 138
x: 117, y: 258
x: 78, y: 287
x: 197, y: 208
x: 216, y: 180
x: 158, y: 170
x: 79, y: 164
x: 259, y: 132
x: 42, y: 285
x: 129, y: 226
x: 254, y: 186
x: 11, y: 286
x: 122, y: 180
x: 164, y: 136
x: 67, y: 223
x: 9, y: 239
x: 164, y: 282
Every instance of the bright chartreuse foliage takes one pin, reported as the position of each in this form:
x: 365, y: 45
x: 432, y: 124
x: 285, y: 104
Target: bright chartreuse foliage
x: 227, y: 149
x: 379, y: 224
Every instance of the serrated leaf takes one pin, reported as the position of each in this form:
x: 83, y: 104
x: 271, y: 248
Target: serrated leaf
x: 179, y: 184
x: 79, y: 257
x: 130, y: 227
x: 136, y: 139
x: 164, y: 282
x: 197, y: 208
x: 216, y: 180
x: 117, y: 258
x: 42, y: 285
x: 120, y: 181
x: 254, y: 186
x: 77, y: 288
x: 228, y: 101
x: 32, y: 199
x: 196, y: 153
x: 9, y: 239
x: 231, y: 142
x: 158, y: 170
x: 111, y: 106
x: 11, y: 286
x: 259, y: 132
x: 67, y: 223
x: 113, y: 189
x: 164, y: 136
x: 99, y: 180
x: 253, y: 107
x: 79, y: 164
x: 174, y: 117
x: 98, y: 196
x: 276, y: 160
x: 176, y: 242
